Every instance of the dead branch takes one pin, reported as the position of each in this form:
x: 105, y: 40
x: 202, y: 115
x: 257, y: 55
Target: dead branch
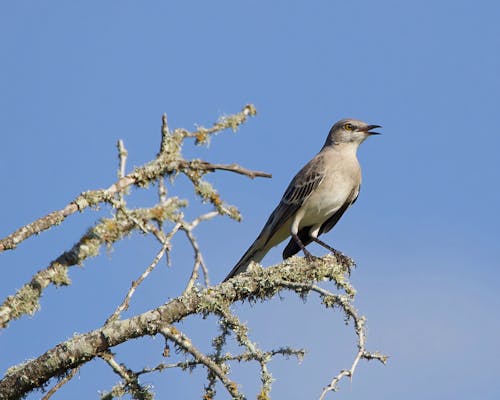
x: 163, y: 221
x: 107, y: 231
x: 167, y: 161
x: 258, y: 284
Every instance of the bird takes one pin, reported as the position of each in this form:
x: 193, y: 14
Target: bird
x: 316, y: 198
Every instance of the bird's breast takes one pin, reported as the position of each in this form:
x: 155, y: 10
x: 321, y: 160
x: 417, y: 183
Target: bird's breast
x: 335, y: 189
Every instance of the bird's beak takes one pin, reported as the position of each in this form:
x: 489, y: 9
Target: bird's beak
x: 368, y: 128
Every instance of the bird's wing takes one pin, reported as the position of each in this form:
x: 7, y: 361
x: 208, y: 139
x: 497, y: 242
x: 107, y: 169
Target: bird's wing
x: 299, y: 189
x: 330, y: 222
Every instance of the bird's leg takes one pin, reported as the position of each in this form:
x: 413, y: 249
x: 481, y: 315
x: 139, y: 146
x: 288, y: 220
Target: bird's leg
x: 329, y: 248
x: 338, y: 255
x: 307, y: 254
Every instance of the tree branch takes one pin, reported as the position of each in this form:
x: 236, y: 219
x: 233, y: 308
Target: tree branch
x: 163, y: 221
x: 206, y: 166
x: 185, y: 344
x: 258, y: 284
x: 167, y: 161
x: 109, y: 230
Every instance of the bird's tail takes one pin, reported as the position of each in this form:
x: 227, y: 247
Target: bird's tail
x: 256, y: 253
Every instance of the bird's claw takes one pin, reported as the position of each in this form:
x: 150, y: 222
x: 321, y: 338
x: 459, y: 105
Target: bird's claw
x: 343, y: 259
x: 309, y: 257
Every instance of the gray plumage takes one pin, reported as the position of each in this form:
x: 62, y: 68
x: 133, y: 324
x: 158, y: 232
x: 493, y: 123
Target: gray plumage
x: 316, y: 197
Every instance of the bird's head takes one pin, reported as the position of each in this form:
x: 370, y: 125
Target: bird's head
x: 350, y: 131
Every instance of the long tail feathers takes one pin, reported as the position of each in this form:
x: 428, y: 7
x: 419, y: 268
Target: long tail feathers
x: 255, y: 253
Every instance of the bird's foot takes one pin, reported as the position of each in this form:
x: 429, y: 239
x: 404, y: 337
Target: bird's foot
x: 343, y: 259
x: 308, y: 256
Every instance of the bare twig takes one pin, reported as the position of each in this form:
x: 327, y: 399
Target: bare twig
x: 198, y: 261
x: 130, y: 378
x: 125, y: 303
x: 344, y: 302
x: 61, y: 383
x: 122, y: 162
x: 188, y: 228
x: 210, y: 167
x: 122, y: 156
x: 185, y: 344
x: 359, y: 324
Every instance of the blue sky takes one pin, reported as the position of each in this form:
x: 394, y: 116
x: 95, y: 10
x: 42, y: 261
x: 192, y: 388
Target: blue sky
x: 75, y: 78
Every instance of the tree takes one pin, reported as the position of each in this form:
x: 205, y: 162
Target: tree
x: 164, y: 221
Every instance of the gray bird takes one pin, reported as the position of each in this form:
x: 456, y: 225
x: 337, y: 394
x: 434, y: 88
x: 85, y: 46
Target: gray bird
x: 316, y: 197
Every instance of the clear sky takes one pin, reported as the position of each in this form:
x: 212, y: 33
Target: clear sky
x: 77, y: 76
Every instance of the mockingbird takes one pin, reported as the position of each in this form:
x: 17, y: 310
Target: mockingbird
x: 316, y: 197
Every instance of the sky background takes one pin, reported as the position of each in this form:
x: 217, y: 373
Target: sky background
x: 76, y: 77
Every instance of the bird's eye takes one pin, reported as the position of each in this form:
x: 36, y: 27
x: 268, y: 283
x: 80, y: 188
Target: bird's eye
x: 348, y: 127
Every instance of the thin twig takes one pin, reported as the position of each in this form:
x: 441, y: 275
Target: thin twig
x: 185, y: 344
x: 165, y: 239
x: 199, y: 262
x: 162, y: 191
x: 262, y: 357
x: 243, y: 357
x: 122, y: 162
x: 125, y: 303
x: 61, y: 383
x: 330, y: 299
x: 122, y: 156
x: 117, y: 368
x: 142, y: 225
x: 210, y: 167
x: 130, y: 378
x: 165, y: 133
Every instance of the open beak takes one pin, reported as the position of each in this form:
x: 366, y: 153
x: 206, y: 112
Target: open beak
x: 368, y: 129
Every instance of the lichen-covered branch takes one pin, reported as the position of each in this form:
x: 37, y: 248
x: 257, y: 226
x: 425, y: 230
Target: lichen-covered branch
x: 130, y: 379
x: 169, y: 160
x: 163, y: 221
x: 220, y: 371
x: 257, y: 285
x: 109, y: 230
